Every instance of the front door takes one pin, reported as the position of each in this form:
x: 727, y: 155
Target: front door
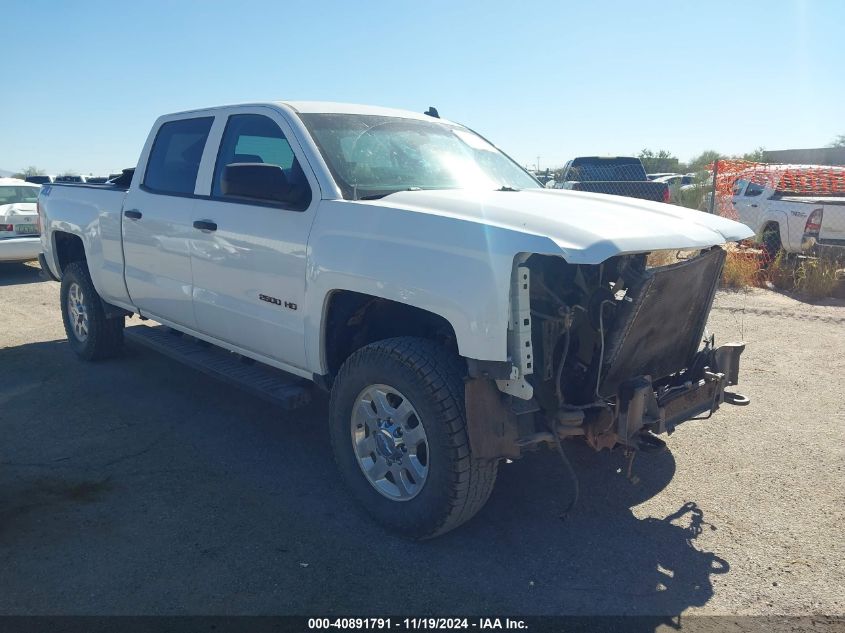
x: 747, y: 202
x: 248, y: 254
x: 157, y: 223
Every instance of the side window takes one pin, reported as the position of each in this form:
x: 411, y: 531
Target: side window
x: 739, y: 185
x: 175, y: 157
x: 754, y: 189
x: 253, y: 139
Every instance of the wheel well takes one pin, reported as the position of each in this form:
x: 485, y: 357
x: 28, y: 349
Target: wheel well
x: 69, y: 249
x: 769, y: 228
x: 354, y: 320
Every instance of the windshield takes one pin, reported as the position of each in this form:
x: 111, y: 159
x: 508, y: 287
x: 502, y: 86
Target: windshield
x: 374, y: 156
x: 11, y: 195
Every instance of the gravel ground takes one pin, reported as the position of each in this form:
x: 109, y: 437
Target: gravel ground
x: 136, y: 486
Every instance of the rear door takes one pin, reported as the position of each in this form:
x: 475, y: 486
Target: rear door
x: 157, y: 226
x: 249, y: 254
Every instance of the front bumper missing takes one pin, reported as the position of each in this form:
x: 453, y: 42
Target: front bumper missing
x: 642, y: 409
x: 502, y: 427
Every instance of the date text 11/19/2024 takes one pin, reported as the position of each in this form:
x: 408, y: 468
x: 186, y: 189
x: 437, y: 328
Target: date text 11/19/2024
x: 411, y: 624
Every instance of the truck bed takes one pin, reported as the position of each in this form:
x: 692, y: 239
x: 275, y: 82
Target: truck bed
x: 92, y: 211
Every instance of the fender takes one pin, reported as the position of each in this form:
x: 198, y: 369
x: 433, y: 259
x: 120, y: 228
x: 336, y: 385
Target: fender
x: 456, y: 269
x: 98, y: 225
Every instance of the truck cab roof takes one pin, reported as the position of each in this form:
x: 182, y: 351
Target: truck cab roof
x: 326, y: 107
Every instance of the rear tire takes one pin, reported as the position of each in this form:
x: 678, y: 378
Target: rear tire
x: 771, y: 242
x: 425, y: 381
x: 91, y: 335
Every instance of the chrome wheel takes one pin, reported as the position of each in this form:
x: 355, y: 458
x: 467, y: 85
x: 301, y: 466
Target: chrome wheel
x: 389, y: 442
x: 78, y: 313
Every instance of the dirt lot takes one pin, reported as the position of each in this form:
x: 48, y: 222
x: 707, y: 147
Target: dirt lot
x: 137, y: 486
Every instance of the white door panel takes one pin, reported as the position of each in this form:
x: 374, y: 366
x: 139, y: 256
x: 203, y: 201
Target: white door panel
x: 249, y: 272
x: 157, y: 255
x: 157, y: 220
x: 249, y: 277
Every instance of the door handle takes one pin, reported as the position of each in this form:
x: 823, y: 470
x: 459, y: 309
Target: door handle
x: 754, y: 205
x: 133, y: 214
x: 205, y: 225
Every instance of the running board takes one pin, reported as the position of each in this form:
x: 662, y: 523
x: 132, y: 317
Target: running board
x: 274, y: 385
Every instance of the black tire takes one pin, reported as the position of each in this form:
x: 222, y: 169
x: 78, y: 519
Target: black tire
x: 105, y: 335
x: 771, y: 242
x: 457, y: 485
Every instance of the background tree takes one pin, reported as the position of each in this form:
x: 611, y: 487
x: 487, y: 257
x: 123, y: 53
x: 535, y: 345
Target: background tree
x: 659, y: 161
x: 32, y: 170
x: 700, y: 162
x: 839, y: 141
x: 755, y: 156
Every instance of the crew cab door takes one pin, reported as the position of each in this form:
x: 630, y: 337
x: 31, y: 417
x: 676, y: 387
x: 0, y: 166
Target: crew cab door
x: 156, y: 221
x: 748, y: 202
x: 248, y: 249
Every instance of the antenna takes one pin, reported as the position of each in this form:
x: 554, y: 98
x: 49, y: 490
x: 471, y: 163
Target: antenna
x: 432, y: 111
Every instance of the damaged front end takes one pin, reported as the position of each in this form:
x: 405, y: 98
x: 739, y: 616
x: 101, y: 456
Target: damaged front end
x: 614, y: 352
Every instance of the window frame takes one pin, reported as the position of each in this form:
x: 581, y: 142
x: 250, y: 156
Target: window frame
x: 256, y: 201
x: 145, y: 187
x: 756, y: 193
x: 739, y: 190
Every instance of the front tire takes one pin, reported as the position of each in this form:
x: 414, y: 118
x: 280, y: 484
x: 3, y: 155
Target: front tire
x: 398, y: 432
x: 91, y: 335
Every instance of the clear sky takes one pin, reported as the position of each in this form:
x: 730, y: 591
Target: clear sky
x: 83, y: 81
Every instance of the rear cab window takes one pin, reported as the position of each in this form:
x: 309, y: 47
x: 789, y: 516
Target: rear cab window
x: 600, y: 169
x: 175, y: 156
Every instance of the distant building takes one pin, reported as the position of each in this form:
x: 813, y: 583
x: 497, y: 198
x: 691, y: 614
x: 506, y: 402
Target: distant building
x: 820, y: 156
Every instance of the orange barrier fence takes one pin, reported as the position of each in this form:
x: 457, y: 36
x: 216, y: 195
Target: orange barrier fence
x: 774, y: 180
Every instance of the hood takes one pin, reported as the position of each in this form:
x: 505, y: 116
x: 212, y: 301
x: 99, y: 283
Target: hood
x: 587, y: 227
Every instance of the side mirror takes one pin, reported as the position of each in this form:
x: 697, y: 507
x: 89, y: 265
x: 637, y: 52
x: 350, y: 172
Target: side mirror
x: 259, y: 181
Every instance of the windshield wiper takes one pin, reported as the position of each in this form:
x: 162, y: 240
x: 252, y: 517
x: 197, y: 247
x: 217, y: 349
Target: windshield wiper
x: 506, y: 188
x: 378, y: 196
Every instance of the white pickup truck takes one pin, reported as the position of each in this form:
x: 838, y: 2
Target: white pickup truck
x: 458, y: 312
x: 795, y: 221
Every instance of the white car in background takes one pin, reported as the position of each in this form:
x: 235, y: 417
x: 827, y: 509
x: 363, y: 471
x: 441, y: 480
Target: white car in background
x: 677, y: 179
x: 793, y: 220
x: 19, y: 229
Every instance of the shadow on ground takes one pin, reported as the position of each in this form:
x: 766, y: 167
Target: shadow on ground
x: 137, y: 486
x: 16, y: 273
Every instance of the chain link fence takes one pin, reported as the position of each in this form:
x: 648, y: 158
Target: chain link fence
x: 796, y: 211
